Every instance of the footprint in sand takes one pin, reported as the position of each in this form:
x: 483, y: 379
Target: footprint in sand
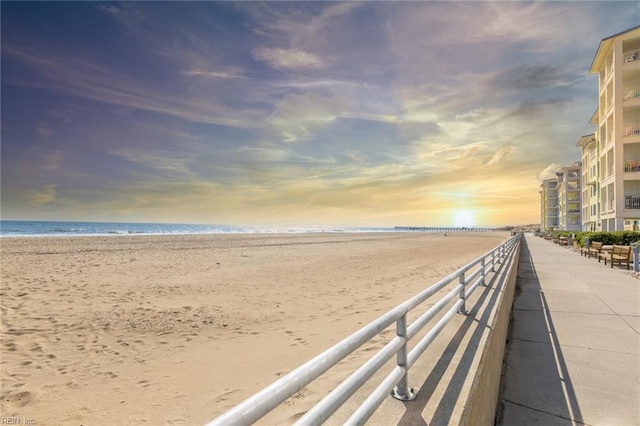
x: 19, y: 399
x: 225, y: 395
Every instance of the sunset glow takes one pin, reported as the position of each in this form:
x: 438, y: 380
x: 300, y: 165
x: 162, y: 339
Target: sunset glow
x: 311, y: 113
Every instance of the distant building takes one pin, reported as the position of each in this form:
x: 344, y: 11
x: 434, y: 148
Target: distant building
x: 589, y: 182
x: 549, y: 205
x: 617, y: 136
x: 560, y: 200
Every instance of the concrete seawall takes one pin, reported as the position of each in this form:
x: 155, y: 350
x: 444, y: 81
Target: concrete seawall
x: 484, y: 393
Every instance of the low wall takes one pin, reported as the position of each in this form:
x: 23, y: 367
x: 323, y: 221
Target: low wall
x: 480, y: 407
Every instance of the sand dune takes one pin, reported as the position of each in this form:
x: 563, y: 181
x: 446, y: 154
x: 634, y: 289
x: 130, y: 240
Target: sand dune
x: 177, y: 329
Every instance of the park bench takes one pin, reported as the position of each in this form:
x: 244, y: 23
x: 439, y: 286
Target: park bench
x: 619, y: 254
x: 594, y: 249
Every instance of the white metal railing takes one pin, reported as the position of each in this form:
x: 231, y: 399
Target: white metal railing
x: 632, y: 56
x: 631, y: 129
x: 632, y: 165
x: 469, y: 277
x: 631, y: 93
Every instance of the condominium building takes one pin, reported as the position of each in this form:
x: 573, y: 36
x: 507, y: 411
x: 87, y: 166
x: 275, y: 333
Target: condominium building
x: 549, y: 205
x: 615, y: 149
x: 590, y: 186
x: 560, y: 200
x: 569, y: 195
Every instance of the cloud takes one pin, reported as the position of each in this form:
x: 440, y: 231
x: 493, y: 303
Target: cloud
x: 501, y: 155
x: 159, y: 159
x: 197, y: 72
x: 471, y: 151
x: 288, y: 58
x: 280, y: 111
x: 549, y: 172
x: 42, y: 196
x: 53, y: 161
x: 299, y: 116
x: 535, y: 76
x: 87, y: 78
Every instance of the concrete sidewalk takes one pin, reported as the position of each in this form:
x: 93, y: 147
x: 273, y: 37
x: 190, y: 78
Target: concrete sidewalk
x: 574, y: 351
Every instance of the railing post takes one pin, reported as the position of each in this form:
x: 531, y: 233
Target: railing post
x: 402, y: 391
x: 484, y: 271
x: 493, y: 261
x: 463, y: 296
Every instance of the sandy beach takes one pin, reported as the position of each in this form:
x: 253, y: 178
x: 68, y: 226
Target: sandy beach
x: 178, y: 329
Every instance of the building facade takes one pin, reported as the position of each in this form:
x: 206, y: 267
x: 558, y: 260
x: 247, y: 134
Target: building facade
x: 616, y: 142
x: 549, y: 205
x: 569, y: 198
x: 589, y: 183
x: 561, y: 200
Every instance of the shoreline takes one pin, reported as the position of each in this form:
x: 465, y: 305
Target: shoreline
x: 164, y: 328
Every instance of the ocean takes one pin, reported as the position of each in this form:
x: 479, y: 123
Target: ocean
x: 20, y: 228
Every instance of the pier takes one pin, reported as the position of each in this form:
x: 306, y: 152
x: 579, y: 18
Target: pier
x: 439, y: 229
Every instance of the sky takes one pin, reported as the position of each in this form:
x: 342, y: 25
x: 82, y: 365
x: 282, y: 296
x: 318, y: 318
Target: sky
x: 295, y: 113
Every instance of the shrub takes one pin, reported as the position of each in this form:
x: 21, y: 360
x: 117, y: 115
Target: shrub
x: 624, y: 238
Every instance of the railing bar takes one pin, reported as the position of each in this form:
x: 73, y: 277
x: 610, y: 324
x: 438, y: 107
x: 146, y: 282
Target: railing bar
x: 421, y: 297
x: 432, y: 334
x: 261, y: 403
x: 330, y: 403
x: 373, y: 401
x: 368, y: 407
x: 419, y: 323
x: 473, y: 287
x: 474, y: 274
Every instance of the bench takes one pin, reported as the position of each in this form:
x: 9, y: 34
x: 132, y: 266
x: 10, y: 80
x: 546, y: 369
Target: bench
x: 619, y: 254
x: 593, y: 249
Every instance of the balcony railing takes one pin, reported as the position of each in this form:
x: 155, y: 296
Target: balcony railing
x: 632, y: 166
x: 632, y: 56
x: 631, y: 93
x: 631, y: 202
x: 631, y: 130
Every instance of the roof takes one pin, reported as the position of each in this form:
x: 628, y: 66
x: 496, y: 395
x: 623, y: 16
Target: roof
x: 585, y: 140
x: 603, y: 48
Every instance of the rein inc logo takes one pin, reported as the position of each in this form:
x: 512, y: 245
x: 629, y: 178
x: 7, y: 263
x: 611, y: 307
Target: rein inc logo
x: 17, y: 421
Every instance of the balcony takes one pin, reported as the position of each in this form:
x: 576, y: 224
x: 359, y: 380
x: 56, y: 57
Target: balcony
x: 631, y: 130
x: 632, y: 57
x: 632, y: 166
x: 631, y: 93
x: 631, y: 202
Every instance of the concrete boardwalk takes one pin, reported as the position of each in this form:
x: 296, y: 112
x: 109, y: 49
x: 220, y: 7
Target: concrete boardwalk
x: 574, y: 350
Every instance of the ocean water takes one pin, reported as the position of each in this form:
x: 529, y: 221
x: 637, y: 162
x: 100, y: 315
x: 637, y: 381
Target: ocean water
x: 19, y: 228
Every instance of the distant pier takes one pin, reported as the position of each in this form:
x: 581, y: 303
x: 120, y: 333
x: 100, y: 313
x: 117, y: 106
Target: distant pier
x: 439, y: 229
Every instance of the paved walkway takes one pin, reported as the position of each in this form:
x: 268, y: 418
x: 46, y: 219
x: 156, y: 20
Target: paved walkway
x: 574, y: 348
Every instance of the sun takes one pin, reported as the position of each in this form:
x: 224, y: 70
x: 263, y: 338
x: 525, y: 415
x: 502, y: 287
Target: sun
x: 463, y: 218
